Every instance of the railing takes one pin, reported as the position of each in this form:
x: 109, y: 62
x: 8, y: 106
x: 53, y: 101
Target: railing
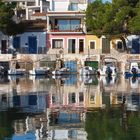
x: 25, y: 50
x: 61, y: 28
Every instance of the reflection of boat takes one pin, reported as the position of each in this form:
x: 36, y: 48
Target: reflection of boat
x: 133, y: 102
x: 134, y: 83
x: 87, y: 70
x: 89, y: 80
x: 14, y: 77
x: 132, y: 68
x: 40, y: 71
x: 108, y: 80
x: 109, y: 67
x: 60, y: 76
x: 61, y: 71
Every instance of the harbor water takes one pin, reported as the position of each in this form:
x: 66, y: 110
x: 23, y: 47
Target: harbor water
x: 69, y: 107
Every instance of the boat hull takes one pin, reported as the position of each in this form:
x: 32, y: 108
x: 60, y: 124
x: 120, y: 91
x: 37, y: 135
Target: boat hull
x: 16, y: 72
x: 86, y: 72
x: 130, y: 74
x: 39, y: 71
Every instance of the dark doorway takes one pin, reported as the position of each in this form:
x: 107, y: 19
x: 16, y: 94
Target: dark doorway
x: 105, y: 45
x: 81, y: 45
x: 32, y: 41
x: 135, y: 46
x: 3, y: 46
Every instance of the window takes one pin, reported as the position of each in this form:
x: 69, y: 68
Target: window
x: 68, y: 24
x: 92, y: 44
x: 73, y: 7
x: 119, y: 45
x: 57, y: 43
x: 71, y: 45
x: 72, y: 98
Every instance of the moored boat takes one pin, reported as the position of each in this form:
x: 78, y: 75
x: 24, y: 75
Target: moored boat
x: 16, y: 72
x: 40, y: 71
x: 132, y: 68
x: 61, y: 71
x: 108, y: 67
x: 87, y: 70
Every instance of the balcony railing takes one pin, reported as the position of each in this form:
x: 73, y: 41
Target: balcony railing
x: 66, y: 28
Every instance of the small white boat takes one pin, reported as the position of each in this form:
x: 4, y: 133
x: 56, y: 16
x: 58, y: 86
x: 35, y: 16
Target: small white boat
x: 132, y: 68
x: 16, y: 72
x: 40, y: 71
x: 109, y: 67
x: 62, y: 71
x: 2, y: 70
x: 87, y: 70
x: 15, y: 68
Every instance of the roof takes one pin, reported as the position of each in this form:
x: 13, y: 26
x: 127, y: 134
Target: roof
x: 54, y: 13
x: 39, y: 14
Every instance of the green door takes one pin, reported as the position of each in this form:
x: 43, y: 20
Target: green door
x: 93, y: 64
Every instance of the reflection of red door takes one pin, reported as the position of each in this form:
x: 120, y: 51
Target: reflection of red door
x: 3, y: 46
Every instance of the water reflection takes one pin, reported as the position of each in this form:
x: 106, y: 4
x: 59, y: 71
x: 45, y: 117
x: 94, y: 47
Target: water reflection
x: 69, y: 107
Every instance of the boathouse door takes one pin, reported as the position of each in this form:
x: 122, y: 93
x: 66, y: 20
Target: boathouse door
x: 16, y: 43
x: 135, y: 46
x: 105, y: 45
x: 3, y: 46
x: 32, y: 41
x: 72, y: 65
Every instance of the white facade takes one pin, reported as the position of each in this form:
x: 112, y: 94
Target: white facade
x: 24, y: 38
x: 33, y: 6
x: 41, y: 38
x: 64, y: 5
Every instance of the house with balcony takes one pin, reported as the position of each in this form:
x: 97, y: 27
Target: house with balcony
x: 66, y: 30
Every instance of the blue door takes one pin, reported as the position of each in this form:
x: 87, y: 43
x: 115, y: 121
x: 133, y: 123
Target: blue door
x: 16, y: 42
x: 32, y: 41
x: 72, y: 65
x: 135, y: 46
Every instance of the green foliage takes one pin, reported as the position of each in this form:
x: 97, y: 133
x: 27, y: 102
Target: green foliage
x: 110, y: 124
x: 7, y: 25
x: 119, y: 18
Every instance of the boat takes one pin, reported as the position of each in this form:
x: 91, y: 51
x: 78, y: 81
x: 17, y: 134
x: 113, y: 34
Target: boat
x: 2, y: 70
x: 108, y: 67
x: 61, y: 71
x: 15, y: 68
x: 87, y: 70
x: 40, y: 71
x: 132, y: 68
x: 16, y: 71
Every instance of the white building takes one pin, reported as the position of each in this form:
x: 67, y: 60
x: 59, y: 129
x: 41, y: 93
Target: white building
x: 25, y: 8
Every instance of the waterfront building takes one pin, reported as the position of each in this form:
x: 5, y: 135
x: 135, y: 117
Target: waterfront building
x: 57, y: 31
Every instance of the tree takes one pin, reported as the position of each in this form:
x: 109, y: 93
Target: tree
x: 7, y: 25
x: 117, y: 19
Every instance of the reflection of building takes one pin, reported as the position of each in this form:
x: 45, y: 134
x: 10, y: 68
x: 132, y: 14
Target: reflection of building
x: 65, y: 134
x: 130, y: 100
x: 33, y: 127
x: 94, y: 97
x: 66, y: 124
x: 32, y: 103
